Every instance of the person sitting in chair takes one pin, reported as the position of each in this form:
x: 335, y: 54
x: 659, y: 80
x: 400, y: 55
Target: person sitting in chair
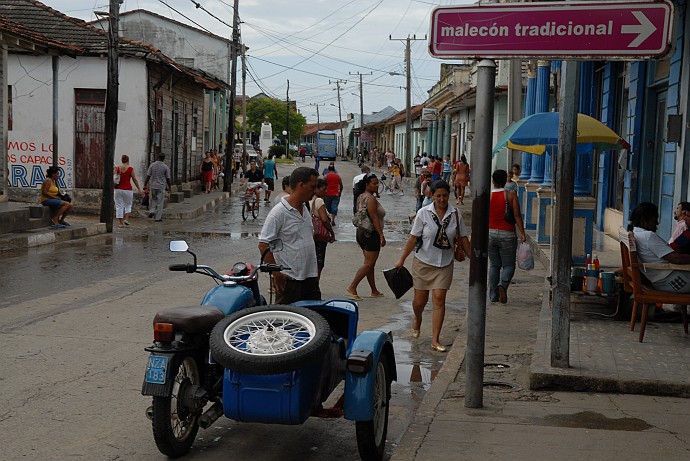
x: 653, y: 249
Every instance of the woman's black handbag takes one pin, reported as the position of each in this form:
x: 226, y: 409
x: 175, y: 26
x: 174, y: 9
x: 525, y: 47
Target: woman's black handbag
x: 508, y: 213
x: 399, y: 280
x: 65, y: 198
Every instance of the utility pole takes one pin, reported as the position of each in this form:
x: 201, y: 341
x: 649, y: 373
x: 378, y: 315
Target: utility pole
x: 340, y: 117
x: 361, y: 110
x: 318, y: 119
x: 230, y: 142
x: 409, y: 164
x: 110, y: 115
x: 244, y: 100
x: 287, y: 120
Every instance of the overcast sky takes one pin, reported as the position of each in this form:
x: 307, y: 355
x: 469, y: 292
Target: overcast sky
x: 310, y: 42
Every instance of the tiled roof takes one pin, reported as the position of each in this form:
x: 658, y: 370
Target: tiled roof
x: 54, y: 25
x: 14, y: 34
x: 310, y: 129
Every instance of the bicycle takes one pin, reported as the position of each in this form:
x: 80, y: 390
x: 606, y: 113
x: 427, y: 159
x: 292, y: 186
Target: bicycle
x: 250, y: 203
x: 382, y: 184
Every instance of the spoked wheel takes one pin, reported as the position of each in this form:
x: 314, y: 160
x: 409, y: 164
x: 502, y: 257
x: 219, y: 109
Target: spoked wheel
x: 255, y: 207
x: 267, y: 340
x: 371, y: 435
x: 245, y: 210
x: 382, y: 187
x: 174, y: 423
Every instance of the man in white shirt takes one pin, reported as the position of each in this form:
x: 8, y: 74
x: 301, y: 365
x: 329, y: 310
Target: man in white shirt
x: 290, y: 221
x: 653, y: 249
x: 424, y: 161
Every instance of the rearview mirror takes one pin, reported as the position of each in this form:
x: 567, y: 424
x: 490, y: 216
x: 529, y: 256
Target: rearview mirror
x: 178, y: 246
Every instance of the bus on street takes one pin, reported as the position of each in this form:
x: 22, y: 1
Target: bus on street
x: 326, y: 144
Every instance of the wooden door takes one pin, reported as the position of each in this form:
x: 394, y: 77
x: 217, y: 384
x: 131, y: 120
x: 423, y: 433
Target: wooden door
x: 89, y: 142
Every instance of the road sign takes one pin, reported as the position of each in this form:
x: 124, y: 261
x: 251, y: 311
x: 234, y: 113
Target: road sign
x: 583, y: 30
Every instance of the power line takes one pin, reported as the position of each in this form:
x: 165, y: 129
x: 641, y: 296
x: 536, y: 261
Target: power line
x: 186, y: 17
x: 200, y: 6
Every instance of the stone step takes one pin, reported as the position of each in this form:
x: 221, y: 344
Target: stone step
x: 176, y: 197
x: 38, y: 223
x: 188, y: 193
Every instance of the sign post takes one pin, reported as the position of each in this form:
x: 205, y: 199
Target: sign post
x: 581, y: 31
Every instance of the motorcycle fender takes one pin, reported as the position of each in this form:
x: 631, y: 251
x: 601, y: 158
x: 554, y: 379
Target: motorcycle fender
x: 368, y: 348
x: 164, y: 390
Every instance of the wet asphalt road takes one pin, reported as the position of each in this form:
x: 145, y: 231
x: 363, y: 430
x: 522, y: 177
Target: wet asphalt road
x: 119, y: 280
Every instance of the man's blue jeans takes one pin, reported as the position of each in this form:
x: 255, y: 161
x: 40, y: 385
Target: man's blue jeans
x: 502, y: 250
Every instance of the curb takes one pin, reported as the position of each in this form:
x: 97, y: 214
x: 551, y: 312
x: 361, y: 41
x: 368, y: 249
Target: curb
x: 542, y: 376
x: 416, y: 432
x: 33, y: 239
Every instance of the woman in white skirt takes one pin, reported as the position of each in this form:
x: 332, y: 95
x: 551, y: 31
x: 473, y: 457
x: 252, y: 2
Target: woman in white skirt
x: 123, y: 191
x: 432, y: 238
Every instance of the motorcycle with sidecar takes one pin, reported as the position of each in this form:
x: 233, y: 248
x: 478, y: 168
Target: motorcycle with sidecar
x: 251, y: 361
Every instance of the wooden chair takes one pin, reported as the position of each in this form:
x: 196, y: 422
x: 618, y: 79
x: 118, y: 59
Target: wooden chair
x: 643, y: 294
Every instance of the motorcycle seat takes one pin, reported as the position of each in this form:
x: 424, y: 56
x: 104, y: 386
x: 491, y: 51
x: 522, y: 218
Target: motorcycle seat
x: 192, y: 319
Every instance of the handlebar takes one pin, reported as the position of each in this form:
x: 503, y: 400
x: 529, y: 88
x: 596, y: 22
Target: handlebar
x: 206, y: 270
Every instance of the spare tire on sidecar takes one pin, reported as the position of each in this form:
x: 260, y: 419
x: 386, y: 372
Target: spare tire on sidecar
x: 268, y: 340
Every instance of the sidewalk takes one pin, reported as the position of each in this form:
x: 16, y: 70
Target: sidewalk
x: 519, y: 422
x: 86, y: 225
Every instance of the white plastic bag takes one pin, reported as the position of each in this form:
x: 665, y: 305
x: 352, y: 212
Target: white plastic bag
x: 525, y: 259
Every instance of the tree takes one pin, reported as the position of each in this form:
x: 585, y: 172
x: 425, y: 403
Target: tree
x: 262, y: 108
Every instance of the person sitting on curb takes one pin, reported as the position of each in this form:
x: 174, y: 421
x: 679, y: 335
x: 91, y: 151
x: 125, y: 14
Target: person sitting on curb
x: 51, y: 197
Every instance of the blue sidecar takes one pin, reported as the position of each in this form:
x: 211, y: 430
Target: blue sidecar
x: 282, y: 362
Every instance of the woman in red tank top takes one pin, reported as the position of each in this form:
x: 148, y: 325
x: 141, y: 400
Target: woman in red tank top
x: 502, y: 237
x: 123, y: 191
x: 334, y: 188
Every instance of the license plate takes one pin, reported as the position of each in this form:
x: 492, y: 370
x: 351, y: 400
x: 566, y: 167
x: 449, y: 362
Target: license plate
x: 156, y: 369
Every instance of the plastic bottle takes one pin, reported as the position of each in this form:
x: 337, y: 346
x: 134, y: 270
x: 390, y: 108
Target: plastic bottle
x: 589, y: 260
x: 595, y: 262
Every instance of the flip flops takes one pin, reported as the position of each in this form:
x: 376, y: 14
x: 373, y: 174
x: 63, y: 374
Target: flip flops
x: 349, y: 295
x: 377, y: 295
x: 57, y: 226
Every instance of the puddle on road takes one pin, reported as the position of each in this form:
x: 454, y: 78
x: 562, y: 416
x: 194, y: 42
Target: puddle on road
x: 593, y: 420
x: 415, y: 374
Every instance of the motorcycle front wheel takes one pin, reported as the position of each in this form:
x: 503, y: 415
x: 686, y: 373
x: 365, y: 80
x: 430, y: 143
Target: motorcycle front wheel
x: 174, y: 425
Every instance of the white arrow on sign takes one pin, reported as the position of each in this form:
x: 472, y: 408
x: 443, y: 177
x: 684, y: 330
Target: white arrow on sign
x: 643, y: 30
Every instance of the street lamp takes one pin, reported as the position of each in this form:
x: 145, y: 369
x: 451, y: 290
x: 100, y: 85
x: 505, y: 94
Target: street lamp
x: 285, y: 133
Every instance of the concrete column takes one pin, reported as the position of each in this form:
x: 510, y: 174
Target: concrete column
x: 446, y: 137
x: 429, y: 139
x: 541, y: 105
x: 431, y: 149
x: 529, y: 110
x: 583, y: 162
x: 439, y: 139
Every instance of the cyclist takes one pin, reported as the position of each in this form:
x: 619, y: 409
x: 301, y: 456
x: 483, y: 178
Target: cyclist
x: 255, y: 179
x: 395, y: 172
